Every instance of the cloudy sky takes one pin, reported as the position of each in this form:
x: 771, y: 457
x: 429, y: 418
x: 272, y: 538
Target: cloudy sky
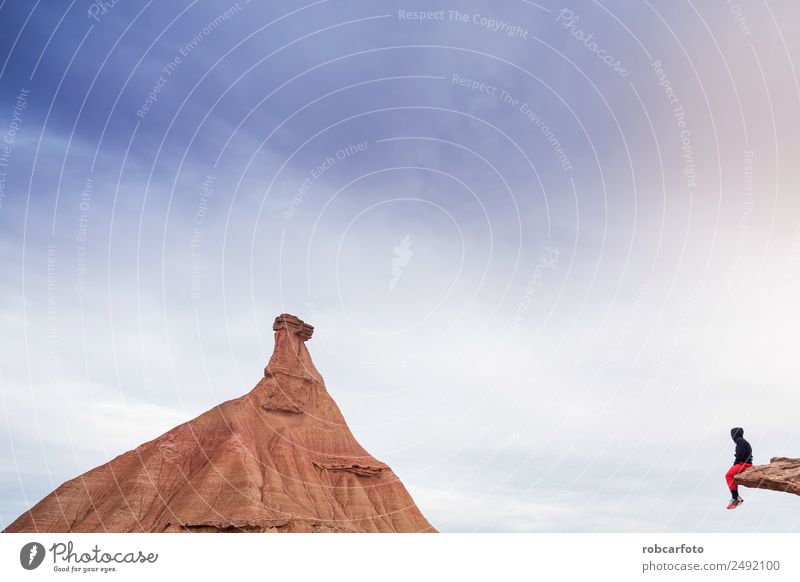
x: 551, y: 251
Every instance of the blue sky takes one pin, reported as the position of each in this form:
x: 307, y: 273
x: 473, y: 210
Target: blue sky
x: 550, y: 250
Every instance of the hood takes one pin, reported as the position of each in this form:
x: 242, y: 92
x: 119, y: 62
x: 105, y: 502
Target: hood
x: 737, y: 433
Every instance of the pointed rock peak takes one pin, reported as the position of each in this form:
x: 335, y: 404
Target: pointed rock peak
x: 278, y: 459
x: 293, y: 325
x: 290, y: 355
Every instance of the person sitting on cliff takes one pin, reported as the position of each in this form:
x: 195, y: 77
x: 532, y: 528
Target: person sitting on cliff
x: 743, y: 459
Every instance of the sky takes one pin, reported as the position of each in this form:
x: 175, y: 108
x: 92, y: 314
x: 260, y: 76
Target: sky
x: 551, y: 251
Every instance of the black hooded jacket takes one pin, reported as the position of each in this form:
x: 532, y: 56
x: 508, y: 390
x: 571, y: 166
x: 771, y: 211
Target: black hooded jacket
x: 744, y: 452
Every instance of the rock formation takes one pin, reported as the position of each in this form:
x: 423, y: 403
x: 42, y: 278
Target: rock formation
x: 278, y: 459
x: 782, y: 474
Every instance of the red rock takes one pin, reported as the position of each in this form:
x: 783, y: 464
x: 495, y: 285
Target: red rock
x: 782, y: 474
x: 278, y: 459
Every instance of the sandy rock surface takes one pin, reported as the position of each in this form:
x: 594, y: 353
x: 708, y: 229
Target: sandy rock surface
x: 782, y: 474
x: 278, y: 459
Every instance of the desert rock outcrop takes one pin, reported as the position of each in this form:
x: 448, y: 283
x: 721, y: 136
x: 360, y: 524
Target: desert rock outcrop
x: 278, y: 459
x: 782, y: 474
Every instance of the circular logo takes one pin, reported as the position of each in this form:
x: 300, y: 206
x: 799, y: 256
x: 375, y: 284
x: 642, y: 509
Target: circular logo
x: 31, y: 555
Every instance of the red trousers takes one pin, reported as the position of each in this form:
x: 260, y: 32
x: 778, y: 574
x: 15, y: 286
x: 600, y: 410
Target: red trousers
x: 737, y: 468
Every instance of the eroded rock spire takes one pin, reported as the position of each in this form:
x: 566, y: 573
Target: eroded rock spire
x: 280, y: 458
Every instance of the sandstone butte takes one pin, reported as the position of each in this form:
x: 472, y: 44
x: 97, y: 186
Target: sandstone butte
x: 278, y: 459
x: 782, y: 474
